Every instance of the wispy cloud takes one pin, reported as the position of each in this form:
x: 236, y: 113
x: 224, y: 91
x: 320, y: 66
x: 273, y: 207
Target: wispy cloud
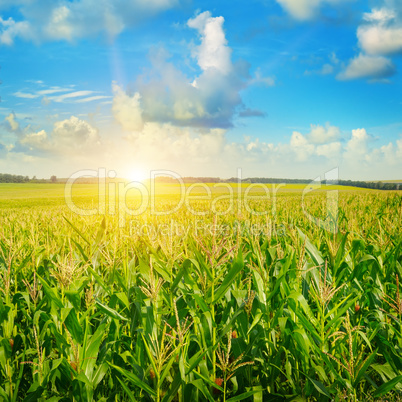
x: 25, y: 95
x: 53, y: 90
x: 70, y: 95
x: 92, y: 98
x: 60, y: 94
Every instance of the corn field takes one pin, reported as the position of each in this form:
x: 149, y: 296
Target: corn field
x: 231, y: 307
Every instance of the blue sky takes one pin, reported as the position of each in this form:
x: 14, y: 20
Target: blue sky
x: 279, y: 88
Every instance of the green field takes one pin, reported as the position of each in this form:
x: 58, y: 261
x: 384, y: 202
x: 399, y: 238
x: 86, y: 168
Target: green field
x: 202, y: 297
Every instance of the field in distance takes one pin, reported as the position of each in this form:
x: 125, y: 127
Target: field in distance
x: 48, y: 194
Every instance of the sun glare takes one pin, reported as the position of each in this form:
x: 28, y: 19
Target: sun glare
x: 137, y: 175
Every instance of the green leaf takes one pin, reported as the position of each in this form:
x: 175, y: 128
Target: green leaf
x: 109, y: 311
x: 312, y: 250
x: 100, y: 233
x: 34, y: 396
x: 320, y: 387
x: 51, y: 293
x: 91, y: 351
x: 244, y: 395
x: 185, y: 267
x: 75, y: 228
x: 229, y: 278
x: 127, y: 390
x: 134, y: 379
x: 74, y: 326
x: 174, y: 387
x: 364, y: 367
x: 388, y: 386
x: 202, y: 387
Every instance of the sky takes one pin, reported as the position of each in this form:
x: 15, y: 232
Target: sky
x: 276, y: 88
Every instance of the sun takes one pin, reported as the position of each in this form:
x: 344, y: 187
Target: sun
x: 137, y: 174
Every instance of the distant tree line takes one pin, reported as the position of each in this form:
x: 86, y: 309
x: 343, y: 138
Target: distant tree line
x: 270, y: 180
x: 12, y: 178
x: 378, y: 185
x: 170, y: 179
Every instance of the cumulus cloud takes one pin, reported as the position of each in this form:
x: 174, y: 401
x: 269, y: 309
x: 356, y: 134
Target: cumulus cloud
x: 68, y: 136
x: 379, y: 35
x: 300, y: 9
x: 169, y: 143
x: 213, y: 51
x: 10, y: 29
x: 330, y: 150
x: 323, y: 135
x: 364, y: 66
x: 127, y: 109
x: 167, y: 95
x: 206, y: 151
x: 320, y: 141
x: 305, y: 9
x: 13, y: 123
x: 301, y: 146
x: 383, y: 33
x: 66, y: 20
x: 190, y: 151
x: 357, y: 146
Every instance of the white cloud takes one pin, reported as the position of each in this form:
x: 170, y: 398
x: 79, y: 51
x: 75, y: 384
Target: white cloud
x: 357, y: 146
x: 25, y: 95
x: 37, y: 140
x: 323, y: 135
x: 92, y: 98
x: 213, y: 51
x: 364, y: 66
x: 301, y: 146
x: 300, y: 9
x: 379, y: 35
x: 166, y: 94
x: 52, y: 90
x: 14, y: 125
x: 167, y: 143
x: 76, y: 94
x: 320, y: 142
x: 74, y: 143
x: 60, y: 95
x: 10, y: 29
x: 66, y: 20
x: 68, y: 137
x: 380, y: 40
x: 305, y: 9
x: 259, y: 79
x: 127, y: 109
x: 192, y: 151
x: 380, y: 15
x: 330, y: 151
x: 74, y: 133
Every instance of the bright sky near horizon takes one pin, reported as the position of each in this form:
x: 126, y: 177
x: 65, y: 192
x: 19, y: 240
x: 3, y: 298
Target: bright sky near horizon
x: 279, y: 88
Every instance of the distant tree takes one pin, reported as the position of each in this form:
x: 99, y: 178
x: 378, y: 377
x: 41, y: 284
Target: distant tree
x: 53, y: 179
